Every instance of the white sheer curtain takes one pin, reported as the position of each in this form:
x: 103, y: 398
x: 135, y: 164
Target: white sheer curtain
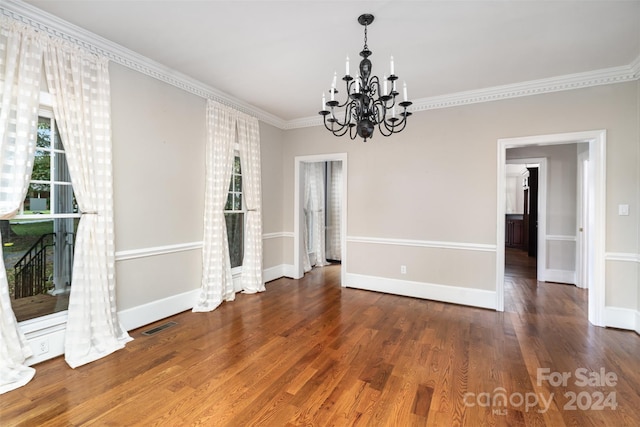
x: 314, y: 209
x: 20, y: 70
x: 249, y: 141
x: 80, y: 88
x: 217, y: 283
x: 306, y: 261
x: 334, y: 210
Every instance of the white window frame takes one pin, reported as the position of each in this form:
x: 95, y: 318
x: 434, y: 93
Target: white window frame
x: 47, y: 112
x: 45, y: 334
x: 236, y: 271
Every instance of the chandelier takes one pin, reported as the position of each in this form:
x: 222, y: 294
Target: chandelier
x: 370, y: 102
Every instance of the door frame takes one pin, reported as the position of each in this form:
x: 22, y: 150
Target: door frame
x: 597, y: 140
x: 582, y: 231
x: 298, y: 215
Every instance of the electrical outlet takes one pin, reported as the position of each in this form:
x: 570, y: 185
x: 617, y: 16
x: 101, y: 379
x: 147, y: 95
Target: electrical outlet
x: 42, y: 347
x: 403, y: 269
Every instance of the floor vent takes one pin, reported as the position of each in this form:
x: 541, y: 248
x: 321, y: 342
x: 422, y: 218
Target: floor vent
x: 159, y: 328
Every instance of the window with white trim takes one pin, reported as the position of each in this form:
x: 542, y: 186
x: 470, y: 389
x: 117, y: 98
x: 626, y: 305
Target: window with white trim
x: 39, y: 240
x: 234, y: 214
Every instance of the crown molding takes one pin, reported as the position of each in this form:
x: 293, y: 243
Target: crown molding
x: 56, y: 27
x: 533, y: 87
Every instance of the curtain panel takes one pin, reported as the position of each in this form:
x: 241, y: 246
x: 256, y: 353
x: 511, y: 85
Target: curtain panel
x: 80, y: 88
x: 224, y: 126
x: 249, y: 141
x: 308, y: 225
x: 315, y: 213
x: 217, y: 283
x: 334, y: 210
x: 20, y: 70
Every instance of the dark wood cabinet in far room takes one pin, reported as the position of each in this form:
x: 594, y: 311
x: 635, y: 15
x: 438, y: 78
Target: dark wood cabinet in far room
x: 514, y: 232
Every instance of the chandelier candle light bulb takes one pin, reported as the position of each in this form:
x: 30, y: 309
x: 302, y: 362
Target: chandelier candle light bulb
x: 369, y: 103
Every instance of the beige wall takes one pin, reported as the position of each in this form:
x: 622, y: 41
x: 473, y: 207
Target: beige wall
x: 159, y: 136
x: 158, y: 157
x: 436, y: 182
x: 272, y: 177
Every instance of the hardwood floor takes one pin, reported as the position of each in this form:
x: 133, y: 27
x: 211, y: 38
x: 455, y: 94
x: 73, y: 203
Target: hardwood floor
x: 311, y: 353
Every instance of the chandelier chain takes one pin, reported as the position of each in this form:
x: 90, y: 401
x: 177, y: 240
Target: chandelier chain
x: 365, y: 38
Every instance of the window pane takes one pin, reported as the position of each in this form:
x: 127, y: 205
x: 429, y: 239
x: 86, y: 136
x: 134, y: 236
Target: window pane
x: 229, y: 205
x: 235, y: 235
x: 44, y: 133
x: 41, y: 166
x: 37, y: 199
x: 61, y: 169
x: 236, y: 166
x: 57, y: 141
x: 237, y: 183
x: 237, y: 202
x: 64, y: 199
x: 38, y: 256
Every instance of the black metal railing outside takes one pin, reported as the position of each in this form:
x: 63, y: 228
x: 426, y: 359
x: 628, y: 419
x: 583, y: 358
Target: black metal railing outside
x: 31, y: 269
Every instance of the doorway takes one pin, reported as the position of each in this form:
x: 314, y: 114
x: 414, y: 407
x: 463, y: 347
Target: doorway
x: 594, y: 246
x: 534, y: 214
x: 339, y: 226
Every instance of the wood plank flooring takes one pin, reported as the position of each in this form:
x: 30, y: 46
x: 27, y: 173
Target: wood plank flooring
x: 310, y: 353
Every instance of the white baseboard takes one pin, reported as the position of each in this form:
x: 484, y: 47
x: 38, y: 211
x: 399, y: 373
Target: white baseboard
x: 273, y: 273
x: 145, y: 314
x: 453, y: 294
x: 622, y: 318
x: 638, y: 322
x: 288, y: 270
x: 560, y: 276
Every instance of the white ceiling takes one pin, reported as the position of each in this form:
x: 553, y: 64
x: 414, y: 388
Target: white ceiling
x: 281, y: 55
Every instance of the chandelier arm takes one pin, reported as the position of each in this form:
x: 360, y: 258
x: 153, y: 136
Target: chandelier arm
x: 341, y: 128
x: 347, y: 116
x: 384, y: 125
x: 396, y: 126
x: 336, y: 104
x: 353, y: 132
x: 330, y: 128
x: 327, y: 126
x: 403, y: 123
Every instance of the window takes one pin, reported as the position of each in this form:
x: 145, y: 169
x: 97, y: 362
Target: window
x: 39, y: 241
x: 234, y: 216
